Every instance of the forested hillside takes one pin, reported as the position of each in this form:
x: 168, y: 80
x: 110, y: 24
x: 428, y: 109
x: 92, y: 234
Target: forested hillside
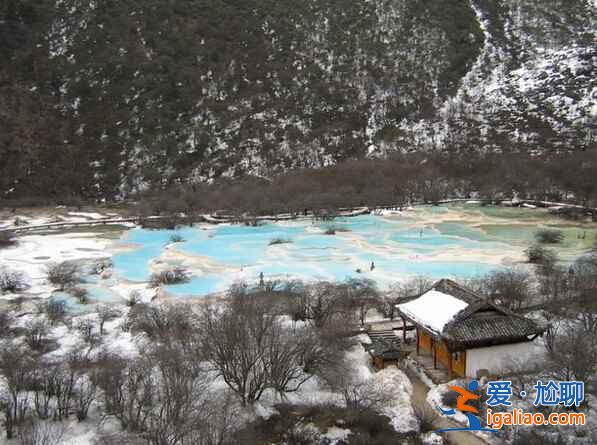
x: 99, y: 99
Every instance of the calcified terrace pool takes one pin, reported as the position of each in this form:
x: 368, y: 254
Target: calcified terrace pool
x: 459, y: 241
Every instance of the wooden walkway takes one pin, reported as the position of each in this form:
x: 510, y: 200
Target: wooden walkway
x: 218, y: 219
x: 213, y: 219
x: 70, y: 224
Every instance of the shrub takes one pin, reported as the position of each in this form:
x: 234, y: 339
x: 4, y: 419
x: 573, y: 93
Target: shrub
x: 63, y: 274
x: 12, y: 280
x: 134, y: 298
x: 7, y: 239
x: 166, y: 322
x: 539, y: 255
x: 549, y: 236
x: 173, y: 276
x: 6, y: 320
x: 80, y: 293
x: 86, y: 329
x: 100, y: 266
x: 449, y: 399
x: 55, y: 309
x: 35, y: 432
x: 301, y: 436
x: 176, y: 238
x: 36, y: 335
x: 369, y: 427
x: 332, y: 230
x: 275, y: 241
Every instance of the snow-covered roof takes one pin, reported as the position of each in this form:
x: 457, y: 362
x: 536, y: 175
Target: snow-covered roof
x: 433, y: 309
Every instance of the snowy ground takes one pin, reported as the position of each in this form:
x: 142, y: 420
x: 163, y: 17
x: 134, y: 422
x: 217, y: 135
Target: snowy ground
x: 34, y: 252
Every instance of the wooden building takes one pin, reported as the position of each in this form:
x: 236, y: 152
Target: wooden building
x: 384, y: 352
x: 465, y: 333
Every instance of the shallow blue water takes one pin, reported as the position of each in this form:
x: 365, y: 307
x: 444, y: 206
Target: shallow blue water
x: 202, y: 285
x: 398, y: 247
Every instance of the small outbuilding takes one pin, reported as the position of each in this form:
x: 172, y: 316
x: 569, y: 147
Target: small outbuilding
x: 466, y: 333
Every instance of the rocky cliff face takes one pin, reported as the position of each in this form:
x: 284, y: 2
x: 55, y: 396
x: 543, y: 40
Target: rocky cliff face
x: 105, y: 97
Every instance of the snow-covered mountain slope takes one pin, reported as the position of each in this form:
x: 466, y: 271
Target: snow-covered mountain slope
x: 106, y: 97
x: 533, y: 86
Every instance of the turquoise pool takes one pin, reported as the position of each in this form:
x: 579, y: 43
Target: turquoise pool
x: 437, y: 242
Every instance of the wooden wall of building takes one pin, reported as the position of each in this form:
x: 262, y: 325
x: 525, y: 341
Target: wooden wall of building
x: 426, y: 345
x: 425, y: 341
x: 459, y: 363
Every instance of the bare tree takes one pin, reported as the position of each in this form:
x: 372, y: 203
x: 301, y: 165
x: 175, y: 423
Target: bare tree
x: 573, y: 355
x: 128, y: 389
x: 63, y: 274
x: 162, y: 397
x: 387, y: 304
x: 83, y: 396
x: 165, y: 322
x: 554, y: 288
x: 46, y: 380
x: 64, y: 391
x: 106, y: 313
x: 218, y: 420
x: 87, y: 330
x: 292, y: 355
x: 358, y: 393
x: 235, y: 342
x: 509, y: 287
x: 109, y: 375
x: 179, y: 397
x: 413, y: 287
x: 252, y: 350
x: 16, y: 368
x: 325, y: 301
x: 363, y: 295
